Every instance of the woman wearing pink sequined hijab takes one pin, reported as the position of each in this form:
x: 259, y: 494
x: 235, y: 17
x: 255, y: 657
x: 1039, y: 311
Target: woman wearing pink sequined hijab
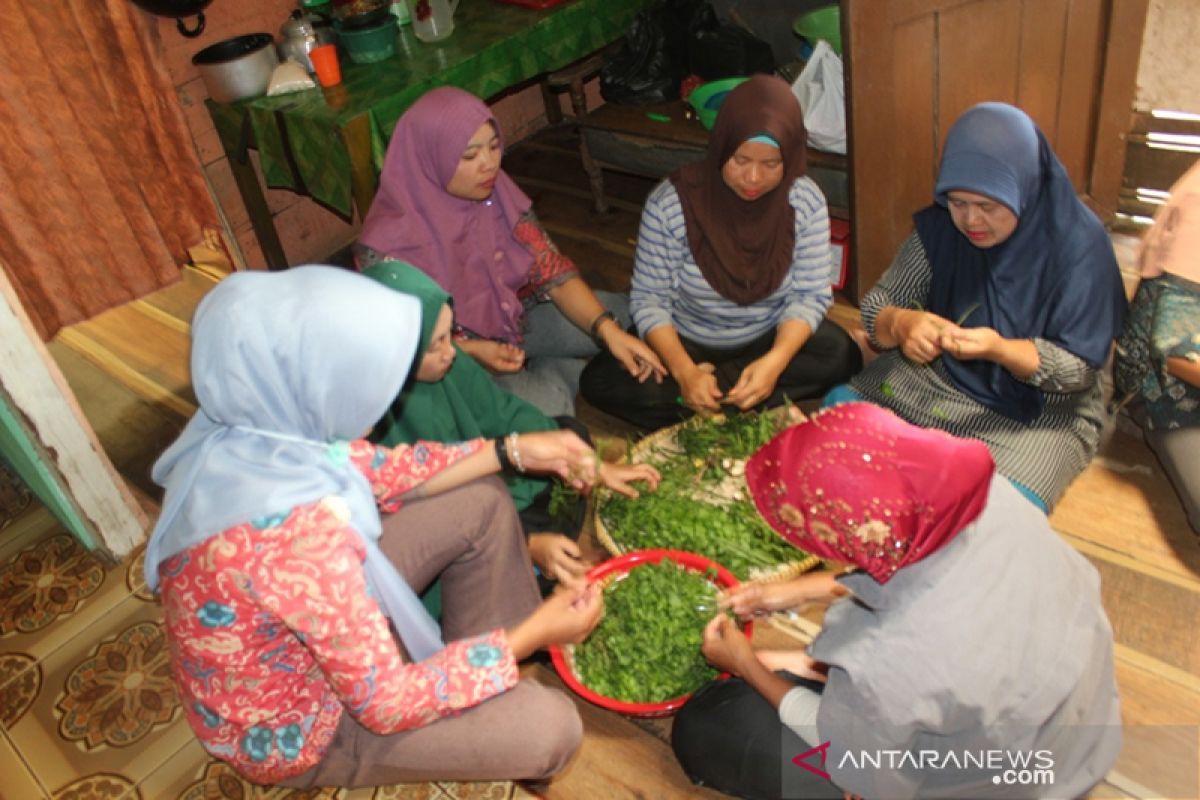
x: 963, y: 625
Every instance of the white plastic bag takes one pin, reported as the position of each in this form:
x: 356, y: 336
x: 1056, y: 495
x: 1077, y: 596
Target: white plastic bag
x: 822, y: 95
x: 289, y: 77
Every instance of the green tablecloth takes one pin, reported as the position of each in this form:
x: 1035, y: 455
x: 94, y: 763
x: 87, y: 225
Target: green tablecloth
x: 494, y: 46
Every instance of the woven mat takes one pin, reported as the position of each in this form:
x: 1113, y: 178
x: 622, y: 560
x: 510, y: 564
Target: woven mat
x: 652, y: 448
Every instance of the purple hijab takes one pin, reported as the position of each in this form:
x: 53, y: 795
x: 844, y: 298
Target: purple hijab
x: 467, y: 246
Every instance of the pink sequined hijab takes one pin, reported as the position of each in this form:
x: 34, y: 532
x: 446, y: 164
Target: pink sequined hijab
x: 857, y: 484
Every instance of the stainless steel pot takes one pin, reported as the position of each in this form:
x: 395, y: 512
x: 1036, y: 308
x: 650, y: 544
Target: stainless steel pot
x: 237, y: 68
x: 301, y: 33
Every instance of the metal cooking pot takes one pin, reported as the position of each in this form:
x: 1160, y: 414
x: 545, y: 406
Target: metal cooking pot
x: 178, y: 9
x: 301, y: 33
x: 357, y: 14
x: 237, y: 68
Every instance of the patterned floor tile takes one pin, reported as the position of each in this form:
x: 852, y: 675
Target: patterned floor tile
x: 52, y: 589
x: 18, y: 781
x: 191, y: 774
x: 104, y: 707
x: 99, y: 786
x: 25, y: 529
x: 400, y: 791
x: 480, y: 790
x: 15, y: 497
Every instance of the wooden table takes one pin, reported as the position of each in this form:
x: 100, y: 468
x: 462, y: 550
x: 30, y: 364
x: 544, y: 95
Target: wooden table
x: 330, y: 143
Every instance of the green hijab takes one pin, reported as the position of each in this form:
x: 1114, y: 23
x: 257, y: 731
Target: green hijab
x: 466, y: 403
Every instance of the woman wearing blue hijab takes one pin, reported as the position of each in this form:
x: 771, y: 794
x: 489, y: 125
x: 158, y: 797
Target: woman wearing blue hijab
x: 999, y: 311
x: 281, y: 583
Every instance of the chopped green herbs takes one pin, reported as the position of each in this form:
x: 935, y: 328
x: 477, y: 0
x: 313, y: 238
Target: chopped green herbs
x: 646, y: 649
x: 702, y: 504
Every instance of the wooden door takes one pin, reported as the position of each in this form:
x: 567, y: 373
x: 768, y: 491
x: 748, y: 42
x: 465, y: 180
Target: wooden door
x: 48, y: 441
x: 913, y: 66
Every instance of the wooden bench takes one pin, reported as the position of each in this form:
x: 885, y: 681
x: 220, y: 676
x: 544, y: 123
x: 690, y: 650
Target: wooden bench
x: 654, y: 140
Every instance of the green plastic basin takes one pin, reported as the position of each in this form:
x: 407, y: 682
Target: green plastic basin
x: 368, y: 45
x: 823, y: 23
x: 706, y: 98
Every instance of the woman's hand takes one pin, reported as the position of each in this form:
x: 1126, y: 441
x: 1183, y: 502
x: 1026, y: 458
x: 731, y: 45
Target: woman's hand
x: 797, y: 662
x: 1184, y: 369
x: 618, y: 477
x: 699, y: 390
x: 757, y: 382
x: 967, y: 344
x: 726, y: 647
x: 635, y: 355
x: 565, y: 617
x: 919, y: 333
x: 501, y: 358
x: 759, y: 599
x: 560, y: 453
x: 1018, y: 356
x: 558, y: 558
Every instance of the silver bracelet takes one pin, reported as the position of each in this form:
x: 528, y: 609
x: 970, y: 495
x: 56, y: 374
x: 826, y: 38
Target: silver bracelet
x: 515, y: 453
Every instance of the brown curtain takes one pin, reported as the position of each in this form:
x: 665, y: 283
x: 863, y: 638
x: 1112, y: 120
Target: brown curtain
x: 101, y: 190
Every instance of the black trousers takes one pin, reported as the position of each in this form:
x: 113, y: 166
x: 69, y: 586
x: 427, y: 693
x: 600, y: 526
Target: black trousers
x: 829, y: 358
x: 728, y: 738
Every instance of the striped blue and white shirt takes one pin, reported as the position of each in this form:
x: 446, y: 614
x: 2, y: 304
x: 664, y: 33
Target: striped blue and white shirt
x: 669, y: 289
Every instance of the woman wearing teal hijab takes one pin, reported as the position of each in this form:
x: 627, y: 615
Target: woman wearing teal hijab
x: 452, y: 398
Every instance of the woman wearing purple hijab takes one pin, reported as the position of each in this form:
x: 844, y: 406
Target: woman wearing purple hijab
x: 446, y: 207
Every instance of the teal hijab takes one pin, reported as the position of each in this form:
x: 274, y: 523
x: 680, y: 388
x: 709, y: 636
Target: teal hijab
x: 466, y: 403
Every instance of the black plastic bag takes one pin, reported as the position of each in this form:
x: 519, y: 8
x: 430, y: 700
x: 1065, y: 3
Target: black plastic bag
x: 652, y: 62
x: 719, y: 49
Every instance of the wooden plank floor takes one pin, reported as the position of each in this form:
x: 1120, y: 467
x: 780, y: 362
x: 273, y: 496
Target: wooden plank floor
x: 130, y: 372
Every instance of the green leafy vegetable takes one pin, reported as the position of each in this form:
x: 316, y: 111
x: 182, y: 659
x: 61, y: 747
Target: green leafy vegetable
x: 646, y: 649
x: 702, y: 504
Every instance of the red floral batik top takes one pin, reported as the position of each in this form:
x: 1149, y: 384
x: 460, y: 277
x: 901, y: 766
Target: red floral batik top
x: 273, y: 634
x: 550, y: 267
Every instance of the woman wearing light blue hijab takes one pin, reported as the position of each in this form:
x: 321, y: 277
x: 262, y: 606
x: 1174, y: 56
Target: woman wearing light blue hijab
x: 999, y: 312
x: 279, y: 578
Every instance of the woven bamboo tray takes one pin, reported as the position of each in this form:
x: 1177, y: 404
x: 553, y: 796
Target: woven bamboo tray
x: 653, y: 449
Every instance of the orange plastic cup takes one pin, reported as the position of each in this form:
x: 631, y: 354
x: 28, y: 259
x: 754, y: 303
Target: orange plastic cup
x: 325, y: 62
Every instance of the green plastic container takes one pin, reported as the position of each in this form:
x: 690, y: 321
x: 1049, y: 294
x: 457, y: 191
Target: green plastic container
x: 369, y: 45
x: 706, y: 98
x: 824, y: 23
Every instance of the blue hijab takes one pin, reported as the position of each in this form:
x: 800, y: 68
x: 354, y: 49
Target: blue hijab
x: 288, y: 367
x: 1055, y: 278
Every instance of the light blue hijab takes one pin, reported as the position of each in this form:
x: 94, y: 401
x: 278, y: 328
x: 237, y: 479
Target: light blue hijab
x: 288, y: 367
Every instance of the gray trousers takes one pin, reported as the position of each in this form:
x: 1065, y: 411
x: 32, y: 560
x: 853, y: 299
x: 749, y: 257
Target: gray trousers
x: 1178, y: 451
x: 471, y: 538
x: 556, y: 352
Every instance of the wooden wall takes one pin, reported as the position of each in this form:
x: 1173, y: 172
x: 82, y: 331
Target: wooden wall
x: 308, y: 231
x: 1168, y: 79
x: 1169, y: 73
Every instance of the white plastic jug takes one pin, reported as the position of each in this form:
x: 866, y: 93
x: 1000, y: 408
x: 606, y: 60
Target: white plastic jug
x: 432, y: 20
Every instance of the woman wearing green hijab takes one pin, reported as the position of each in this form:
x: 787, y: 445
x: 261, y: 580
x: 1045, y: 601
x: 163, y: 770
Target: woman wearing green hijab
x: 451, y: 398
